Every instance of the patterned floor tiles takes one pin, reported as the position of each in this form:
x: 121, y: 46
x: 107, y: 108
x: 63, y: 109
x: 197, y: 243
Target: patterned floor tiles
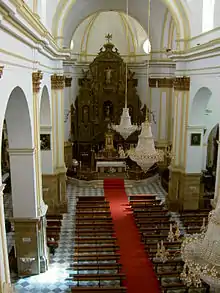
x: 54, y: 280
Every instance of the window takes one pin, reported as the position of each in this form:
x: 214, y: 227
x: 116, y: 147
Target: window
x: 147, y: 46
x: 208, y: 15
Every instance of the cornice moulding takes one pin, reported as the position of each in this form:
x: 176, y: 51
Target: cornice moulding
x: 207, y: 50
x: 29, y: 28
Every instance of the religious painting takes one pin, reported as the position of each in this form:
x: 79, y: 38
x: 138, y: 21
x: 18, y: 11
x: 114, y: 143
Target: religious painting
x: 195, y: 139
x: 45, y: 142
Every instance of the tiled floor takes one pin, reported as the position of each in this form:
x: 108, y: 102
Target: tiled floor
x: 54, y: 279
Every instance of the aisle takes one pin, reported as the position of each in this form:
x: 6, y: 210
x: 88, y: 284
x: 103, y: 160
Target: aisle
x: 137, y: 267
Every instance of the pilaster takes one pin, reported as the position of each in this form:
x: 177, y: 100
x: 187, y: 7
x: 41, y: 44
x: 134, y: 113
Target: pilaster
x: 36, y: 82
x: 57, y: 85
x: 67, y: 108
x: 185, y: 171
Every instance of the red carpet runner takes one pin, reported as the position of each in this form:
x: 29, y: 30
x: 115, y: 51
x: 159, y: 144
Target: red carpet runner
x: 140, y: 277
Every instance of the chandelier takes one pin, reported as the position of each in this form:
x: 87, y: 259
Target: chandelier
x: 201, y: 254
x: 125, y: 128
x: 145, y: 154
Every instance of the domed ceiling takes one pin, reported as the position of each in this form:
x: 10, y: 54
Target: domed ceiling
x: 127, y: 34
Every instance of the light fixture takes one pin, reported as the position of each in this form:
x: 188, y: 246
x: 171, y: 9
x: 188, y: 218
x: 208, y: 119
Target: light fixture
x: 201, y: 254
x: 125, y: 128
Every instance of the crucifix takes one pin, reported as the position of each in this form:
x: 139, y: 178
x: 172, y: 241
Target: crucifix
x: 108, y: 37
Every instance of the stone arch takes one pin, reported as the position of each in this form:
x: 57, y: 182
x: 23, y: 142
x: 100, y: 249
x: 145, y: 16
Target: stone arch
x: 199, y: 106
x: 21, y: 151
x: 18, y: 120
x: 45, y: 108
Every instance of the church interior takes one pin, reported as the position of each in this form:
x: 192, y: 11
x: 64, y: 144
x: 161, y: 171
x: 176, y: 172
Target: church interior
x: 110, y: 157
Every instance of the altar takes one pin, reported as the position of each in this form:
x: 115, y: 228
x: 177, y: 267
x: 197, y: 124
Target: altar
x: 111, y: 166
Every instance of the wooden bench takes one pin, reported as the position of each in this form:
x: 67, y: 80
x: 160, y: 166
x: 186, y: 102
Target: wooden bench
x: 98, y: 289
x: 141, y: 197
x: 109, y: 247
x: 90, y: 198
x: 97, y: 277
x: 96, y: 267
x: 97, y: 233
x: 54, y: 217
x: 94, y: 240
x: 96, y: 257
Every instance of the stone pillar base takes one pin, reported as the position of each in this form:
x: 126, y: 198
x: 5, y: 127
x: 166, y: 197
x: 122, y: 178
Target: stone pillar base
x: 62, y: 191
x: 54, y: 192
x: 184, y: 191
x: 68, y: 157
x: 30, y: 246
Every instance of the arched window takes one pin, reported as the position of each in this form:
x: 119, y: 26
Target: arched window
x: 147, y: 46
x: 208, y: 15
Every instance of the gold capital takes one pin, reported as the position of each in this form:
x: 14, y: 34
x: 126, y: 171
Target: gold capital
x: 36, y: 81
x: 182, y: 83
x: 57, y: 82
x: 68, y: 81
x: 1, y: 70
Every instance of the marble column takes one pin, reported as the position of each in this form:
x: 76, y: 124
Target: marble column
x: 161, y: 103
x: 57, y: 86
x: 184, y: 184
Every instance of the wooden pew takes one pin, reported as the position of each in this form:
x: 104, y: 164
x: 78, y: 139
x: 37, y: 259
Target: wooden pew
x: 98, y: 289
x: 95, y: 257
x: 54, y: 217
x: 90, y: 198
x: 96, y: 267
x: 141, y: 197
x: 109, y: 247
x: 94, y: 240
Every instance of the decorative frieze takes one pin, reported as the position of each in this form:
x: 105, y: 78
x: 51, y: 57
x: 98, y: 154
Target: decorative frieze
x: 181, y: 83
x: 160, y: 82
x: 57, y: 82
x: 1, y: 70
x: 68, y: 81
x: 36, y: 81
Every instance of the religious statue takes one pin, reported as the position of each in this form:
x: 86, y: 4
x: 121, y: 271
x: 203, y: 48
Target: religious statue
x: 108, y: 75
x: 121, y: 152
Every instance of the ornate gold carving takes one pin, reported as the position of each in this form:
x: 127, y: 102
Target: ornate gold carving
x: 161, y: 82
x: 182, y: 83
x: 68, y: 81
x: 1, y: 70
x: 57, y: 82
x: 36, y: 80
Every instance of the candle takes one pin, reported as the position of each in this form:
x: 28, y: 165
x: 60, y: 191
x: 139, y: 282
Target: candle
x: 161, y: 243
x: 171, y: 227
x: 204, y: 221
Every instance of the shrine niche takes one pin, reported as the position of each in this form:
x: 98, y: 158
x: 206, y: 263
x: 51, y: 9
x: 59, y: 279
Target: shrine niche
x: 100, y: 102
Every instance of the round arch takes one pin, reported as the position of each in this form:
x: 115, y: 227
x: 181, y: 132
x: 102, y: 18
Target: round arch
x: 178, y: 9
x: 18, y: 121
x: 199, y: 106
x: 45, y: 109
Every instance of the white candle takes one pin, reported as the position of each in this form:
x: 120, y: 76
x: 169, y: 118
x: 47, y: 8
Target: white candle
x: 171, y: 227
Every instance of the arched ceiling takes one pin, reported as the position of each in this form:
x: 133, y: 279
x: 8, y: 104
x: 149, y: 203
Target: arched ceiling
x: 127, y: 34
x: 70, y: 13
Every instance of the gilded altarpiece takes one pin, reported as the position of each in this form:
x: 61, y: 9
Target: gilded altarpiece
x: 101, y: 99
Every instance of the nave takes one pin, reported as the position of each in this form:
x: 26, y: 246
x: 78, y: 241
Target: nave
x: 153, y: 225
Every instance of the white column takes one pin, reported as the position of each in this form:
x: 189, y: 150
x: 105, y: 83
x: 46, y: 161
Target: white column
x: 25, y: 192
x: 67, y: 107
x: 57, y: 85
x: 4, y: 266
